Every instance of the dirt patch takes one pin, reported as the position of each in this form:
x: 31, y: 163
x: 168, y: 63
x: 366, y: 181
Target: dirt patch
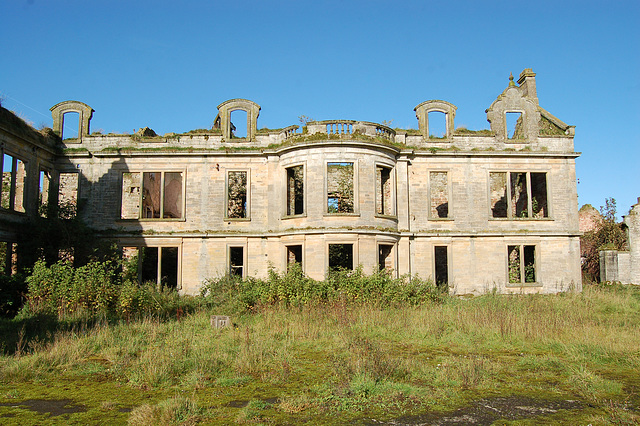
x: 237, y: 404
x: 55, y: 407
x: 487, y: 411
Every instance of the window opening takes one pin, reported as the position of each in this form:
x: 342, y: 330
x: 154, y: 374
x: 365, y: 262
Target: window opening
x: 5, y: 258
x: 522, y: 264
x: 151, y: 184
x: 70, y: 125
x: 44, y: 183
x: 384, y: 191
x: 68, y: 195
x: 340, y: 256
x: 20, y: 182
x: 539, y: 195
x: 152, y: 195
x: 519, y: 195
x: 236, y: 261
x: 172, y: 205
x: 7, y: 181
x: 340, y: 198
x: 159, y: 265
x: 169, y: 267
x: 498, y: 188
x: 130, y: 208
x: 238, y: 124
x: 294, y: 255
x: 522, y: 202
x: 237, y: 195
x: 514, y: 125
x: 437, y: 124
x: 131, y: 264
x: 66, y: 254
x: 441, y: 266
x: 439, y: 189
x: 295, y: 190
x: 149, y: 265
x: 385, y: 258
x: 14, y: 178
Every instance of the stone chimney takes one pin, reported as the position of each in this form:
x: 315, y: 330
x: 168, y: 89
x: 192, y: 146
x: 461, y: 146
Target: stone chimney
x: 527, y: 82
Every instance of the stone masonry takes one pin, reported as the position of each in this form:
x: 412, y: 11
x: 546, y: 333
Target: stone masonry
x: 624, y: 266
x: 490, y: 209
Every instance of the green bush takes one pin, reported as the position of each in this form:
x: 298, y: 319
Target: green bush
x: 12, y: 289
x: 98, y: 289
x: 293, y: 288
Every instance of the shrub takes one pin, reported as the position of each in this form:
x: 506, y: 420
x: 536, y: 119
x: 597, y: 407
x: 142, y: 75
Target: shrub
x: 608, y: 234
x: 293, y: 288
x: 98, y: 289
x: 12, y: 289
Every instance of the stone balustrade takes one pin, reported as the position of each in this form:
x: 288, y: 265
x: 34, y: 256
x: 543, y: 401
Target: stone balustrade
x: 289, y: 132
x: 349, y: 127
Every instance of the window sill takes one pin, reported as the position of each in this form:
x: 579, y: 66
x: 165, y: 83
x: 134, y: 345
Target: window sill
x: 341, y: 214
x: 519, y: 285
x: 522, y: 219
x: 237, y: 219
x: 387, y: 216
x: 294, y: 216
x: 441, y: 219
x: 16, y: 212
x: 148, y: 219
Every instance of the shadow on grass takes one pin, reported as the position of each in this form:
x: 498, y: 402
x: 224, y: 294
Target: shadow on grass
x: 16, y: 334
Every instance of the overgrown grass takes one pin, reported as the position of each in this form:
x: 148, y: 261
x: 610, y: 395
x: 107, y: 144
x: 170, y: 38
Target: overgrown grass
x: 329, y: 355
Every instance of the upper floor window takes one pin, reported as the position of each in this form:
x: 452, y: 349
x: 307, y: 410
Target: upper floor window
x: 384, y: 191
x: 340, y: 188
x: 518, y: 195
x: 237, y: 195
x: 14, y: 179
x: 44, y: 186
x: 152, y: 195
x: 295, y: 190
x: 68, y: 194
x: 439, y: 207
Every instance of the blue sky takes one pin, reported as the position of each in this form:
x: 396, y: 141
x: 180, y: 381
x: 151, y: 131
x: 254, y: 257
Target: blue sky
x: 168, y: 64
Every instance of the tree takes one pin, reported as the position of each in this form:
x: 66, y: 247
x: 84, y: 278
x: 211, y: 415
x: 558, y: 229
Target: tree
x: 608, y: 234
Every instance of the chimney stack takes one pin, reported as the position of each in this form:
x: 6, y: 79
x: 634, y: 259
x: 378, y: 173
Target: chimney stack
x: 527, y: 82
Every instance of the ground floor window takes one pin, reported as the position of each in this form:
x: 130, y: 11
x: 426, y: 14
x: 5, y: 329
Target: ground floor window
x: 385, y: 257
x: 8, y: 258
x: 522, y: 264
x: 294, y: 255
x: 236, y: 261
x: 157, y: 265
x: 340, y: 256
x: 441, y: 263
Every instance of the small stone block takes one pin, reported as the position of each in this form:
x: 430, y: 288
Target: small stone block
x: 220, y: 321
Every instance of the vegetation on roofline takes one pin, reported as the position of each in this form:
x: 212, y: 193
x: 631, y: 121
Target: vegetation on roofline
x: 547, y: 128
x: 76, y: 150
x: 463, y: 131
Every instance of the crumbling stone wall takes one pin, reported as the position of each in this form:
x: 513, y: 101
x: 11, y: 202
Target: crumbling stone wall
x: 624, y: 266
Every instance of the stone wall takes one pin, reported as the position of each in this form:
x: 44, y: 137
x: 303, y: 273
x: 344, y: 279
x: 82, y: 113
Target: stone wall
x: 624, y: 266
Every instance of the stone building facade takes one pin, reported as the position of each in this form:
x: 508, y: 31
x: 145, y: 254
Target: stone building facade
x: 624, y: 266
x: 477, y: 210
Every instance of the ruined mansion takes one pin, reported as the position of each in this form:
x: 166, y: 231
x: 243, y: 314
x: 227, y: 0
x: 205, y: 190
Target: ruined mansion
x: 475, y: 210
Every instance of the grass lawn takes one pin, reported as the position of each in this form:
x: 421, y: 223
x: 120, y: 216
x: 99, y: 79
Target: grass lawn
x: 521, y: 359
